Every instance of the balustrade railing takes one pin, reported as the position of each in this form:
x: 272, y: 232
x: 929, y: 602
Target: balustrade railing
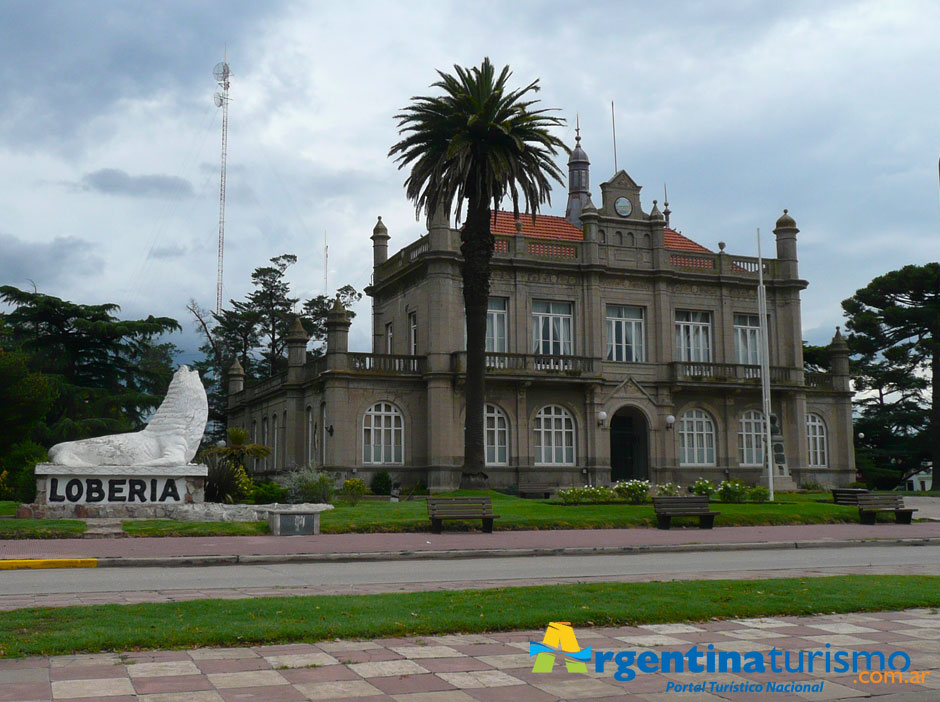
x: 386, y: 363
x: 528, y: 363
x: 693, y: 370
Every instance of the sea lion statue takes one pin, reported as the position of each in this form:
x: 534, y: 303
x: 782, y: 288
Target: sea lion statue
x: 170, y: 439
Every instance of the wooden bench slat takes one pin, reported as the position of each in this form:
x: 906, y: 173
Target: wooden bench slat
x: 869, y: 505
x: 697, y: 506
x: 460, y: 508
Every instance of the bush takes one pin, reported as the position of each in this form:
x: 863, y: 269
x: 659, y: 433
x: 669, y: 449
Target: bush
x: 633, y: 491
x: 856, y: 484
x: 353, y: 490
x: 596, y: 494
x: 571, y: 496
x: 758, y: 494
x: 667, y: 490
x: 226, y: 480
x: 19, y: 462
x: 703, y: 488
x: 309, y: 485
x: 6, y: 488
x: 811, y: 486
x: 268, y: 492
x: 381, y: 483
x: 732, y: 491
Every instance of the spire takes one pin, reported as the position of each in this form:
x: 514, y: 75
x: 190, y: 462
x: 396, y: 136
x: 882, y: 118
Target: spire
x: 578, y: 178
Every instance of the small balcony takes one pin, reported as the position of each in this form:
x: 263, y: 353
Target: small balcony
x: 696, y: 373
x: 545, y: 366
x: 386, y: 364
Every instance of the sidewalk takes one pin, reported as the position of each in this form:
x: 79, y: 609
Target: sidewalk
x: 257, y: 549
x: 492, y: 667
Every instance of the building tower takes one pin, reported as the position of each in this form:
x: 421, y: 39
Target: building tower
x: 579, y: 185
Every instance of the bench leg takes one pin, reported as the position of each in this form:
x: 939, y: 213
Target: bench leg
x: 487, y: 526
x: 867, y: 517
x: 437, y: 526
x: 903, y: 517
x: 706, y: 521
x: 663, y: 521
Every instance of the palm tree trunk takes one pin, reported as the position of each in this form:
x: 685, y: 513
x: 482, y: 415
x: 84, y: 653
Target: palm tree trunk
x: 477, y: 249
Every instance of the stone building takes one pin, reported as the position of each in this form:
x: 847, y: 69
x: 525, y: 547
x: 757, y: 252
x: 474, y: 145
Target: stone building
x: 617, y: 348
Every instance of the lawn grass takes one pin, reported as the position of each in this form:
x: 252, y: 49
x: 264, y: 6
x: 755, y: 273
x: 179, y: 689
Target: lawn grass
x: 517, y: 513
x: 170, y: 527
x: 41, y: 528
x: 279, y: 620
x: 7, y: 508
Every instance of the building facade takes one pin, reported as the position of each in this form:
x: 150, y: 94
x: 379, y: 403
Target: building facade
x: 617, y: 348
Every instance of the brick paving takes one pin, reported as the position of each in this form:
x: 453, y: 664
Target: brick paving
x: 345, y: 544
x: 483, y: 667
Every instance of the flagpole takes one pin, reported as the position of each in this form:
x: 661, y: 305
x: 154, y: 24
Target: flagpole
x: 764, y: 366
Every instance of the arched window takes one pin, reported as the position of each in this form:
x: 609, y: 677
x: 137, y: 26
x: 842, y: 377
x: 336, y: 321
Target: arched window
x: 603, y: 235
x: 696, y: 439
x: 629, y: 240
x: 751, y: 439
x: 816, y: 439
x: 554, y: 437
x: 497, y: 436
x: 383, y: 434
x: 618, y: 238
x: 275, y: 435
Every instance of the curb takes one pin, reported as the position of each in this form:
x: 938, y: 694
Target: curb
x: 272, y: 559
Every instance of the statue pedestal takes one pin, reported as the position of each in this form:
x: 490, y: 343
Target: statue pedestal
x: 115, y: 491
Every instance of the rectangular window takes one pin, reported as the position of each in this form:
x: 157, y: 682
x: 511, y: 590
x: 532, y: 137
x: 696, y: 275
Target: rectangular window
x: 693, y: 336
x: 388, y: 338
x: 552, y: 325
x: 413, y: 333
x: 496, y: 325
x: 625, y: 334
x: 747, y: 339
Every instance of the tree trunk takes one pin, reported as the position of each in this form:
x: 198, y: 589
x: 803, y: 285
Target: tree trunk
x: 477, y: 249
x: 933, y: 427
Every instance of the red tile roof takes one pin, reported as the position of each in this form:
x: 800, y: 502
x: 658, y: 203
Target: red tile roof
x: 546, y: 226
x: 552, y: 227
x: 678, y: 242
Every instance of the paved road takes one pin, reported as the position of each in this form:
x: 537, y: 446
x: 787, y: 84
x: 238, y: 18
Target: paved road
x: 411, y: 574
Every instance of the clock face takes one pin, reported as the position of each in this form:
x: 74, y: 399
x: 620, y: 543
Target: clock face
x: 623, y: 206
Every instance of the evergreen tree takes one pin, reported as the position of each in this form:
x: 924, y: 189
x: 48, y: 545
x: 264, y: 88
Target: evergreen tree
x: 894, y: 325
x: 108, y: 373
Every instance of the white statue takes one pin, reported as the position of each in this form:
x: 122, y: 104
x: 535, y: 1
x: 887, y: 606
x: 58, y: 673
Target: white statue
x: 170, y: 439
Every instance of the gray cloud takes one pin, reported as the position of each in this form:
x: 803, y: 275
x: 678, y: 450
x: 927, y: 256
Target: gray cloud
x: 47, y: 264
x: 113, y: 181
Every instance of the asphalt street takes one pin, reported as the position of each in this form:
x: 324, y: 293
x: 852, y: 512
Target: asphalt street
x: 812, y: 561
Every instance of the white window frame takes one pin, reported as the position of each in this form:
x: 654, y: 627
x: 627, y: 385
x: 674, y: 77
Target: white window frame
x: 817, y: 441
x: 496, y: 430
x: 497, y: 312
x: 696, y: 438
x: 310, y: 436
x: 554, y: 437
x: 383, y: 435
x: 693, y: 336
x: 751, y: 438
x: 626, y: 334
x: 388, y: 338
x: 413, y: 333
x: 552, y: 328
x: 264, y: 441
x: 747, y: 344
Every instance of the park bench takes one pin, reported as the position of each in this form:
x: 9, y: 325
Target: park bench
x: 441, y: 508
x: 847, y: 496
x: 537, y: 490
x: 668, y: 507
x: 870, y: 505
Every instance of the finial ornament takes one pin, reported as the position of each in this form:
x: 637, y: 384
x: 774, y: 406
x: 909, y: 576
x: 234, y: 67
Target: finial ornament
x: 577, y: 128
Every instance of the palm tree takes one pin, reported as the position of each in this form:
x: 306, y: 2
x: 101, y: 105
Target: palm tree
x: 477, y: 142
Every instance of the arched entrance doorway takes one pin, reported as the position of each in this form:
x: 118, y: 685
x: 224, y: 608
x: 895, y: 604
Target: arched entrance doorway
x: 629, y: 445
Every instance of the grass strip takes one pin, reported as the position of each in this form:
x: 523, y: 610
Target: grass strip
x: 41, y: 528
x: 278, y: 620
x: 7, y: 508
x: 169, y: 527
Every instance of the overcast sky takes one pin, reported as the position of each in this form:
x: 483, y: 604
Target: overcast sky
x: 109, y: 138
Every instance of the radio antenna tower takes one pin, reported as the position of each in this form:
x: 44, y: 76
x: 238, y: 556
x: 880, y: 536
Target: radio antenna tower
x: 221, y: 73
